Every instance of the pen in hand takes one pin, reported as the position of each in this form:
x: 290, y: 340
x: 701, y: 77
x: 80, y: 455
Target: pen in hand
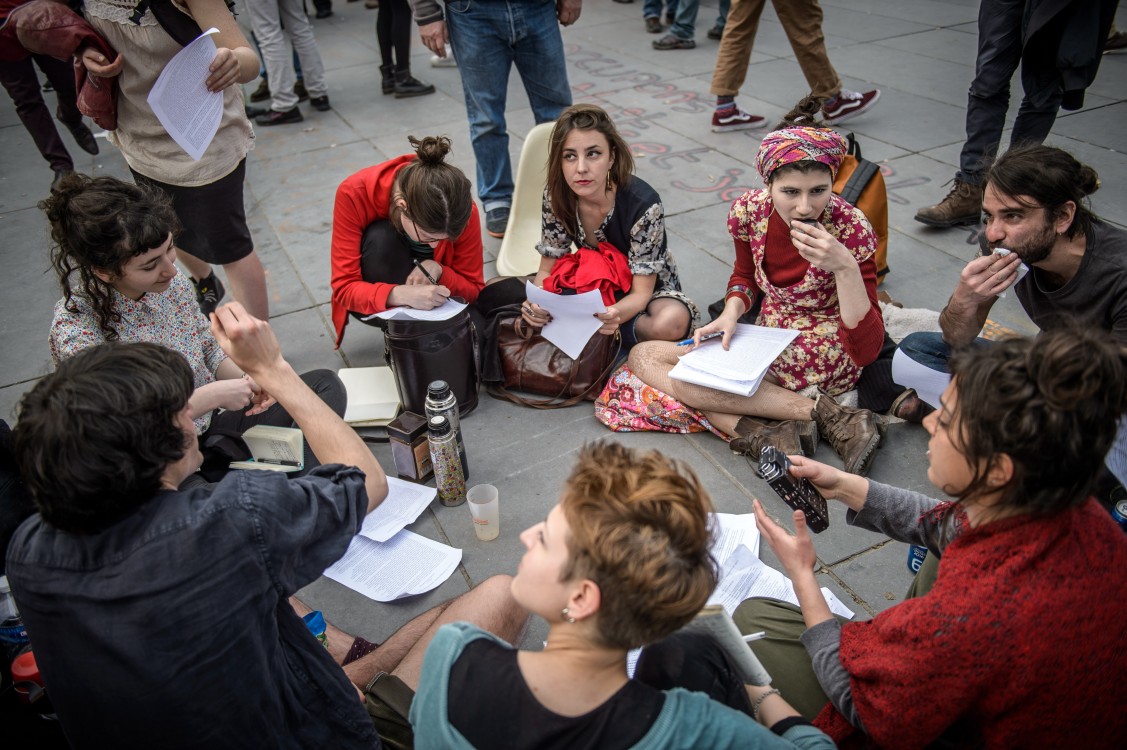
x: 423, y: 269
x: 705, y: 337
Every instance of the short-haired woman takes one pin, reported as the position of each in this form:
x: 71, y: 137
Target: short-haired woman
x: 405, y: 233
x: 622, y: 561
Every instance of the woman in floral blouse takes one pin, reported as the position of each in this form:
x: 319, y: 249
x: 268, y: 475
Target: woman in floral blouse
x: 805, y: 256
x: 594, y: 201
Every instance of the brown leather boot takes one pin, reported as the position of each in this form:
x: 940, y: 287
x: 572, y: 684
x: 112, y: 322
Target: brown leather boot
x: 910, y: 407
x: 754, y: 433
x: 854, y: 434
x: 963, y: 205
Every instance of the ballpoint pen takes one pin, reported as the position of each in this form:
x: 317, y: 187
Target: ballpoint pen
x: 705, y: 337
x: 420, y: 266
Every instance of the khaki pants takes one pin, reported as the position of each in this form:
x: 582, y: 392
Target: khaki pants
x: 802, y: 22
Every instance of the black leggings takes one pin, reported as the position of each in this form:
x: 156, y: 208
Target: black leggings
x: 393, y: 31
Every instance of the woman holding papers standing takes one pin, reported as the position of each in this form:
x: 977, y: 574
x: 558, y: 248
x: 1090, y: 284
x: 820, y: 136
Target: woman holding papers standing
x: 622, y: 561
x: 595, y: 201
x: 207, y: 194
x: 405, y: 232
x: 1019, y: 642
x: 805, y: 256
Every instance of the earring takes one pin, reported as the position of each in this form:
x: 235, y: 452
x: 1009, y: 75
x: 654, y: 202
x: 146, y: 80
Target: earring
x: 567, y: 616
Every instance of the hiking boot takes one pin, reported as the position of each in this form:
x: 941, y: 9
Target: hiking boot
x: 963, y: 205
x: 496, y: 220
x: 854, y: 434
x: 653, y: 24
x: 716, y: 32
x: 321, y: 103
x: 848, y: 104
x: 262, y: 93
x: 209, y: 293
x: 910, y: 407
x: 83, y: 137
x: 734, y: 118
x: 387, y: 79
x: 674, y: 42
x: 752, y: 434
x: 274, y: 117
x: 1116, y: 41
x: 300, y: 92
x: 406, y: 85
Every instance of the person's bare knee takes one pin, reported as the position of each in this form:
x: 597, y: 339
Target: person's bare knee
x: 665, y: 320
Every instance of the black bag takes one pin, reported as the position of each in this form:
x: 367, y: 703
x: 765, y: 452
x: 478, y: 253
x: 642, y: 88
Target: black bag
x: 422, y: 351
x: 177, y: 24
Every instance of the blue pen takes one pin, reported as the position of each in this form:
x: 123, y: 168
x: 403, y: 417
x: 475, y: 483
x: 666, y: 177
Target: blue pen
x: 705, y: 337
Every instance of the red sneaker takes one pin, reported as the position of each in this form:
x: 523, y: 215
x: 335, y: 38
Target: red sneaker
x: 734, y: 118
x: 849, y: 104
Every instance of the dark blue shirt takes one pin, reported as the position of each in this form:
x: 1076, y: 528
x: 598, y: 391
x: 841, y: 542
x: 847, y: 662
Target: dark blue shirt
x: 171, y: 628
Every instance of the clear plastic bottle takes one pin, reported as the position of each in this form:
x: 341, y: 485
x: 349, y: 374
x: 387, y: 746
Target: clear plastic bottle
x: 13, y: 635
x: 441, y: 402
x: 444, y: 457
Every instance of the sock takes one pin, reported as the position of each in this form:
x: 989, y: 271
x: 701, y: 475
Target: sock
x: 725, y: 102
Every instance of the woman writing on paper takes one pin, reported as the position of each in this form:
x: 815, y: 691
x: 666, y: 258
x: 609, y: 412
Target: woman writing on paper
x: 405, y: 232
x: 622, y: 561
x: 115, y: 253
x: 805, y: 256
x: 595, y: 201
x: 1017, y: 643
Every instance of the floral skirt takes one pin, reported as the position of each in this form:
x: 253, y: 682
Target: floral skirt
x: 629, y: 405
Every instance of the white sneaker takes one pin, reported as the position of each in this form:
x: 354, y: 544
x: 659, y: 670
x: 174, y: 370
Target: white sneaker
x: 444, y: 62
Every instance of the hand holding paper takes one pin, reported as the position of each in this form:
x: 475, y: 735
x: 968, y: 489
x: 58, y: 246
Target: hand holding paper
x: 573, y: 317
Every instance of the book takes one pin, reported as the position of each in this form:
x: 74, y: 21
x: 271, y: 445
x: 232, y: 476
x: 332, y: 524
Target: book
x: 715, y: 621
x: 273, y: 449
x: 373, y: 397
x: 742, y: 367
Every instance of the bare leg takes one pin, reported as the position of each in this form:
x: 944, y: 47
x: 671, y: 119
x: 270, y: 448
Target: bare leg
x: 664, y: 319
x: 248, y: 283
x: 651, y: 361
x: 197, y: 268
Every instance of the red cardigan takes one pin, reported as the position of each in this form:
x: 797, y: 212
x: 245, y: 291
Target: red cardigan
x: 366, y: 197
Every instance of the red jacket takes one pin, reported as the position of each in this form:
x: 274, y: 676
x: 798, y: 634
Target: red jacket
x: 366, y: 197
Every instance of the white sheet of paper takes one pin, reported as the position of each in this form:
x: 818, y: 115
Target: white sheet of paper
x: 403, y: 504
x: 929, y: 384
x: 573, y: 317
x: 405, y: 565
x: 445, y: 311
x: 744, y: 576
x: 180, y: 99
x: 732, y: 530
x: 742, y: 367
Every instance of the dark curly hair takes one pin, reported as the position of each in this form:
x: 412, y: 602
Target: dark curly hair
x: 437, y: 194
x: 99, y: 223
x: 640, y: 530
x: 1051, y: 403
x: 94, y: 437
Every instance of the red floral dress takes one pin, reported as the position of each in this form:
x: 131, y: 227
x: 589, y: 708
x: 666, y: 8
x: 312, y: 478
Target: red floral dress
x: 818, y: 356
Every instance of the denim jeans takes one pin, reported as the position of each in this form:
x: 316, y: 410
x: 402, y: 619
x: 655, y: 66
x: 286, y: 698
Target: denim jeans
x: 722, y: 16
x: 684, y: 23
x: 488, y: 37
x: 928, y: 348
x: 652, y: 8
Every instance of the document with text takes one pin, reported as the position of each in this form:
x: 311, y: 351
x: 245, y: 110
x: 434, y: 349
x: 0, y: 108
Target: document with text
x: 180, y: 99
x: 405, y: 565
x: 573, y: 317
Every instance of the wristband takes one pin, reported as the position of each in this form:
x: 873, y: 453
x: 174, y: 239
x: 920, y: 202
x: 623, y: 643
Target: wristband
x: 760, y: 699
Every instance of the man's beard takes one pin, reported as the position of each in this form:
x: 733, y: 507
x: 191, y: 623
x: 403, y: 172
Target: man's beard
x: 1036, y: 248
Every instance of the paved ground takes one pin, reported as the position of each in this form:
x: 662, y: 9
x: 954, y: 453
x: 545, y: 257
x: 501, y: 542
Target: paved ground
x: 919, y: 52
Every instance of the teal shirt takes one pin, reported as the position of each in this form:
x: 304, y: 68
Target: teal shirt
x: 687, y: 720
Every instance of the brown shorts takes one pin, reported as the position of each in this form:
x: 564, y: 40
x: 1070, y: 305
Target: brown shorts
x: 388, y: 700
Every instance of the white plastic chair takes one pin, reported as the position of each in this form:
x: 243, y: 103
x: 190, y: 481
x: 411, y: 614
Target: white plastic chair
x: 518, y: 256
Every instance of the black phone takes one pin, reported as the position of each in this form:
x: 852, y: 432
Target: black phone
x: 774, y: 468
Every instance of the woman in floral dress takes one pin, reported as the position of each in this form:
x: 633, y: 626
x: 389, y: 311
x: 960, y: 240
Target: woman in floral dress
x: 806, y: 256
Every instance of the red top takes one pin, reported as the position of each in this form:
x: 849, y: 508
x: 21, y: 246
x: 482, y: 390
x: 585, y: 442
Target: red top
x: 366, y: 197
x: 785, y: 267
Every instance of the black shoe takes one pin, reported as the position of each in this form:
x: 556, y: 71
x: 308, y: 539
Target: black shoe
x: 274, y: 117
x: 406, y: 85
x: 323, y: 13
x: 387, y: 79
x: 83, y: 137
x: 60, y: 175
x: 209, y: 293
x: 496, y: 220
x: 262, y: 93
x: 321, y: 103
x: 299, y: 89
x: 253, y: 112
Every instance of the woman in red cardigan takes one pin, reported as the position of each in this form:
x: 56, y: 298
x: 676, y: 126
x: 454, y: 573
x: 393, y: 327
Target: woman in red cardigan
x: 806, y: 257
x: 405, y: 233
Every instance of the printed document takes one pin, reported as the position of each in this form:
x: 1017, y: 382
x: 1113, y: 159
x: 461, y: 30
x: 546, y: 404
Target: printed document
x: 403, y: 504
x: 573, y: 317
x: 445, y: 311
x: 742, y: 367
x: 180, y: 99
x: 405, y: 565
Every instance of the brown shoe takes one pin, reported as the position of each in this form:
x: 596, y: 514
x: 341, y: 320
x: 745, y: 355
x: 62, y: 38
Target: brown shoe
x: 910, y: 407
x: 262, y: 93
x: 963, y: 205
x: 754, y: 433
x: 854, y: 434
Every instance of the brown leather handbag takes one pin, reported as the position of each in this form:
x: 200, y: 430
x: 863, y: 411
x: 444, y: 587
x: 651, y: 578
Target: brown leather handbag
x: 532, y: 364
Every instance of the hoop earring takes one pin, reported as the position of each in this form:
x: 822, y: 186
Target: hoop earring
x: 568, y: 617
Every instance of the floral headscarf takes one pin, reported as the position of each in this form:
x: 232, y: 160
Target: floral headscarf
x: 800, y: 143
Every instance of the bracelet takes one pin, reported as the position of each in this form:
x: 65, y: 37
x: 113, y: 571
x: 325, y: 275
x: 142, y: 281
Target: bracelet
x: 760, y: 699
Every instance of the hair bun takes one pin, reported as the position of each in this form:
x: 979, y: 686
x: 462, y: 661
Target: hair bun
x: 1089, y: 181
x: 432, y: 149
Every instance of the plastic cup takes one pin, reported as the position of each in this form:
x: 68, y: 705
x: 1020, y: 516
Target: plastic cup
x: 485, y: 508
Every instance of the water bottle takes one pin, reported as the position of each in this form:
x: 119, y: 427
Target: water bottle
x: 441, y: 403
x: 916, y: 555
x: 13, y: 635
x: 444, y: 457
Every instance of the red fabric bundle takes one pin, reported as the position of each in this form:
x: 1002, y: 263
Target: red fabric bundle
x: 604, y: 269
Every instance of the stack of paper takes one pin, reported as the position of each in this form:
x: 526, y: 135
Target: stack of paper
x: 445, y: 311
x: 373, y: 397
x: 742, y: 368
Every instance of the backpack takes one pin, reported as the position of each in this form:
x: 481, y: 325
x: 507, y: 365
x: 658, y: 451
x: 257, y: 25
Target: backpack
x: 860, y: 182
x: 179, y: 25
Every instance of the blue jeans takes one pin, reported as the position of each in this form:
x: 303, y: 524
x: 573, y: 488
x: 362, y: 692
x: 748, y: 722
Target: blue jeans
x: 722, y: 18
x: 684, y: 23
x: 488, y: 37
x: 652, y: 8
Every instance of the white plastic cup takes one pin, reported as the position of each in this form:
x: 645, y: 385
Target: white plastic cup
x: 485, y: 508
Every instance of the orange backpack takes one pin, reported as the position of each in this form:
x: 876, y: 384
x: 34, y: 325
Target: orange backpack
x: 860, y: 182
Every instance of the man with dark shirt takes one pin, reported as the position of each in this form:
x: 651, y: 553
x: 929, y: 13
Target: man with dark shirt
x: 161, y: 617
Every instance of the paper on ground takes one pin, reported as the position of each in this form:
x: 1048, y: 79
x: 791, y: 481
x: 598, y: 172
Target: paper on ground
x: 180, y: 99
x: 445, y: 311
x: 403, y: 504
x: 732, y: 530
x: 407, y: 564
x: 929, y: 384
x: 573, y: 317
x: 742, y: 367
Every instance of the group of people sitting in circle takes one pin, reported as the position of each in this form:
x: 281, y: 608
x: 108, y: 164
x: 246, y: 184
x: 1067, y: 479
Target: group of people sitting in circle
x: 1011, y: 642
